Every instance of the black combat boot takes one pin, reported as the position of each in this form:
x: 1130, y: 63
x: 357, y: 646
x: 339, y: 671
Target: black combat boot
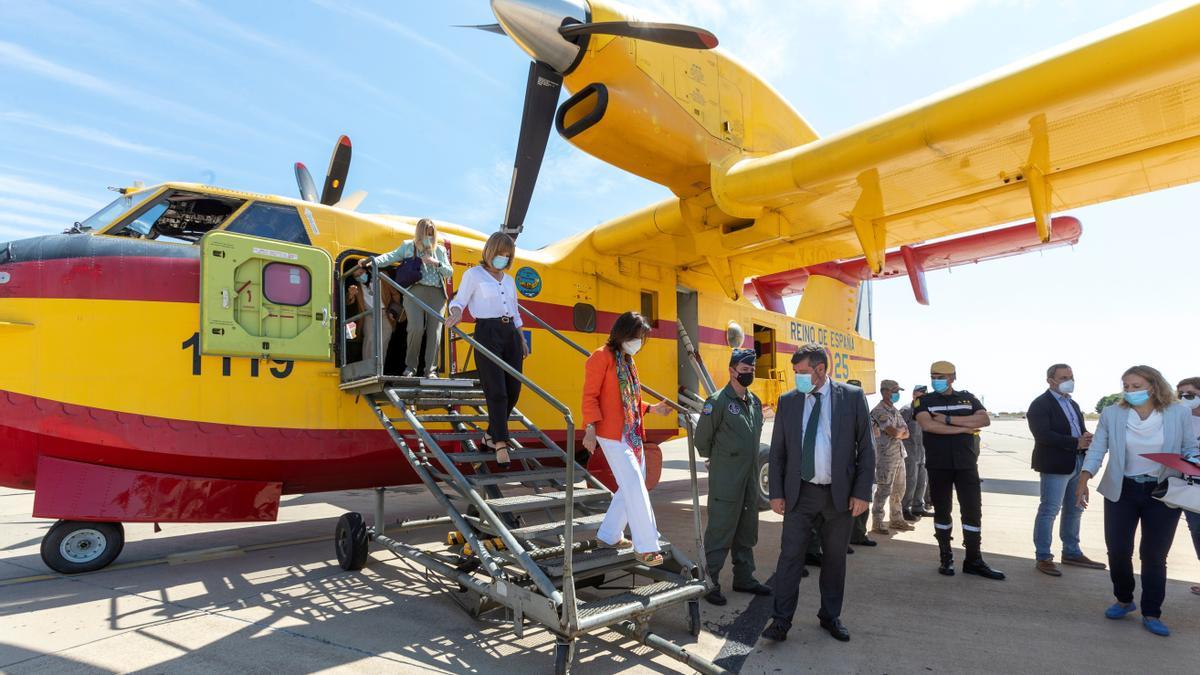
x: 946, y: 566
x: 974, y: 563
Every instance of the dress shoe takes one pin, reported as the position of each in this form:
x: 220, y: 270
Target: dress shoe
x: 715, y: 597
x: 836, y: 629
x: 979, y: 568
x: 910, y: 516
x: 754, y: 588
x: 776, y: 631
x: 803, y: 572
x: 901, y: 526
x: 849, y: 550
x: 865, y: 541
x: 1048, y: 567
x: 1082, y: 561
x: 814, y: 560
x: 922, y: 512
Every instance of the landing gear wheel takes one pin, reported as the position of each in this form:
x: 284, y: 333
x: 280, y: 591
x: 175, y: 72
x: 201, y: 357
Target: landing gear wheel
x: 564, y: 654
x: 764, y: 476
x: 694, y: 618
x: 350, y: 540
x: 72, y: 546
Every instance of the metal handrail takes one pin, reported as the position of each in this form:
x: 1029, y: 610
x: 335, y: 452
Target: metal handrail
x: 569, y: 612
x: 684, y: 415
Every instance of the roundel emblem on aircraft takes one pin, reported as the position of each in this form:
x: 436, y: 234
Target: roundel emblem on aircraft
x: 4, y: 277
x: 529, y: 282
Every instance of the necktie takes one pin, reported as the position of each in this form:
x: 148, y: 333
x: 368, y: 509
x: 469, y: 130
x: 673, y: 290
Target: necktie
x: 808, y: 456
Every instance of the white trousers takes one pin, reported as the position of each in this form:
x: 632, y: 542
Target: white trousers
x: 631, y: 502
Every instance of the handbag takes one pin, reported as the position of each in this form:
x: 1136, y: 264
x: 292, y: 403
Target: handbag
x: 1180, y: 493
x: 408, y: 272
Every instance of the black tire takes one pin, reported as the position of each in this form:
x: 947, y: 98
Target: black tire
x: 764, y: 459
x: 350, y: 540
x: 564, y: 654
x: 693, y: 618
x: 73, y: 546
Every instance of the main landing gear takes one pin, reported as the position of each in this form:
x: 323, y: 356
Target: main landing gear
x: 73, y: 546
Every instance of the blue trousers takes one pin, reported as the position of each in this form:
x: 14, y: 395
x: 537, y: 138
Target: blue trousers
x: 1058, y: 493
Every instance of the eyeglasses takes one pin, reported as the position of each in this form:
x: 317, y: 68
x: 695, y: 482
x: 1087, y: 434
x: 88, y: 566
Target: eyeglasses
x: 1188, y: 396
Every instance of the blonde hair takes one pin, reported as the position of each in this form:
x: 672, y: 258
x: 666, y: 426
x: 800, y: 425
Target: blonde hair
x: 498, y: 244
x: 425, y: 227
x: 1161, y: 393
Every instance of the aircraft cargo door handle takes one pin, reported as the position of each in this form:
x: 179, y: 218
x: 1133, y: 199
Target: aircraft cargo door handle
x: 224, y: 298
x: 325, y: 317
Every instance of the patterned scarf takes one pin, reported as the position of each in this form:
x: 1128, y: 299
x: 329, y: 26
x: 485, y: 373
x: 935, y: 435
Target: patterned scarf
x: 627, y: 382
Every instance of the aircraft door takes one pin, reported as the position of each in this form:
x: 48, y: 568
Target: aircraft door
x: 262, y: 297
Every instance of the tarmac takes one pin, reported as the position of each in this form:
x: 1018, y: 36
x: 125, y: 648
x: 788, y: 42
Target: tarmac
x: 271, y: 598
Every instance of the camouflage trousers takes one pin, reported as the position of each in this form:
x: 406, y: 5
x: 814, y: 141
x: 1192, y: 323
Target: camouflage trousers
x: 889, y: 487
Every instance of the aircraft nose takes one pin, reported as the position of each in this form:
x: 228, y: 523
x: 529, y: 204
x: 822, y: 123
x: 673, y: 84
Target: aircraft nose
x: 534, y: 24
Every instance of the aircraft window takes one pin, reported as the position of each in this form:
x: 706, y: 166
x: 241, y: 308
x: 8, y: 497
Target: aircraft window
x: 285, y: 284
x: 650, y: 307
x: 119, y: 207
x: 584, y: 318
x: 177, y: 217
x: 271, y: 221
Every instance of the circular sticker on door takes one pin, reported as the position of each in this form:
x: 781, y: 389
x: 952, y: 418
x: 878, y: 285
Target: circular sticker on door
x: 529, y: 282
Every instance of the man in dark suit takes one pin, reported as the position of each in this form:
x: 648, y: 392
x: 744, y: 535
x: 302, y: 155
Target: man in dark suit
x: 822, y: 464
x: 1060, y: 440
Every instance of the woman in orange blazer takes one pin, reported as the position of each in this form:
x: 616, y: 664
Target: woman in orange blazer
x: 612, y: 412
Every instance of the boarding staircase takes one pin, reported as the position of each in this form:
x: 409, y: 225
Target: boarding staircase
x: 523, y: 539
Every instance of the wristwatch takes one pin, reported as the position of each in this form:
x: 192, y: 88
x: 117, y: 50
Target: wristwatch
x: 948, y: 423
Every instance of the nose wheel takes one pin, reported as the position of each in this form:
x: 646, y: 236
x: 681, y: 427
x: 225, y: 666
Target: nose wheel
x: 73, y: 546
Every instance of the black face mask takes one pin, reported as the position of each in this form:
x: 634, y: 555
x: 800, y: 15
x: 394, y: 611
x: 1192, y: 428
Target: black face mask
x: 745, y: 379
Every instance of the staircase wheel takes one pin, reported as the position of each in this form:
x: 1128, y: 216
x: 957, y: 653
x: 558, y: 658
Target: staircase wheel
x: 350, y: 540
x: 564, y: 654
x: 693, y: 618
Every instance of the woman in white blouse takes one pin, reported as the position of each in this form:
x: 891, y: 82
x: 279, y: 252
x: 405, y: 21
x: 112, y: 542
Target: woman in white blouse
x: 1147, y: 420
x: 491, y: 296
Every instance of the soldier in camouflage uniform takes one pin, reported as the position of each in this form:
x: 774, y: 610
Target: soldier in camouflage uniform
x: 888, y: 430
x: 728, y: 434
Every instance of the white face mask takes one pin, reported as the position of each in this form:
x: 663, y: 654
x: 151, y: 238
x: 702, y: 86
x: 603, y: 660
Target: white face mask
x: 632, y: 347
x: 1192, y: 403
x: 1066, y: 386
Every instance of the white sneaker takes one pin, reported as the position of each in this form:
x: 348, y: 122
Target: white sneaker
x: 409, y: 372
x: 432, y: 375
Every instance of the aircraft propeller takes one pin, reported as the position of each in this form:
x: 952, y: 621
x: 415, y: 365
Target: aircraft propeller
x: 554, y: 38
x: 335, y: 179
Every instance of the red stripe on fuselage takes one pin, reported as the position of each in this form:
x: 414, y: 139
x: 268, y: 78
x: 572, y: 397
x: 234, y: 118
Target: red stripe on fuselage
x: 105, y: 278
x: 304, y: 460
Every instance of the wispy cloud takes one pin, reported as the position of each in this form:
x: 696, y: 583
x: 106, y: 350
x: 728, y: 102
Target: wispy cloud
x: 38, y: 208
x: 24, y: 188
x: 16, y: 56
x: 92, y: 135
x: 379, y: 21
x: 19, y: 225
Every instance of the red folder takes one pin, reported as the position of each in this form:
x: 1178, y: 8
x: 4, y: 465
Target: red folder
x: 1173, y: 461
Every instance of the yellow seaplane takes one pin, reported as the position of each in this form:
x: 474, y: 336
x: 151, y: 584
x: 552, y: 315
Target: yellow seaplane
x: 182, y: 355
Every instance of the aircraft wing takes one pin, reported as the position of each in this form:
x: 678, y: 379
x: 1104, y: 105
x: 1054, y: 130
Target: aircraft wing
x: 1113, y: 114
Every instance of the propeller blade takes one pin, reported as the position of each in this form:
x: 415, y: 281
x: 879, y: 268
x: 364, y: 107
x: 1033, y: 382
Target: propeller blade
x: 485, y: 27
x: 541, y: 101
x: 335, y: 177
x: 671, y: 34
x: 304, y: 180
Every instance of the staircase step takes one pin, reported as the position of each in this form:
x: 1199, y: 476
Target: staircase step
x: 604, y: 611
x: 444, y: 402
x: 449, y: 436
x: 596, y: 559
x: 519, y: 476
x: 430, y: 383
x: 534, y: 502
x: 427, y: 419
x: 553, y: 529
x: 514, y: 455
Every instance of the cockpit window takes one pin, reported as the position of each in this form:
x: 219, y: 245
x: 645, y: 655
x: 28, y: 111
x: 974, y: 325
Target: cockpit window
x: 178, y: 217
x: 119, y: 207
x: 271, y: 221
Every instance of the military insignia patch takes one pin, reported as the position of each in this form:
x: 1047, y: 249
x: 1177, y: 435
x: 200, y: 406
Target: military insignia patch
x: 707, y: 409
x: 735, y: 409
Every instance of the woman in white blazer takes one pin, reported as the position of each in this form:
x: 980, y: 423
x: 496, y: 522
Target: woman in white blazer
x: 1147, y: 420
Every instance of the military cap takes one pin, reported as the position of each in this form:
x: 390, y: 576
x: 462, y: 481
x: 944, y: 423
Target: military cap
x: 742, y: 356
x: 941, y: 368
x: 890, y: 385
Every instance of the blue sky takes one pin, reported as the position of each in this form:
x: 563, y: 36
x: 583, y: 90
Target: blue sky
x: 100, y: 94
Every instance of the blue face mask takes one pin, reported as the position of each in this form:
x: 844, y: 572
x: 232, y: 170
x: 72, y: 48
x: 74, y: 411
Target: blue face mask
x: 895, y: 396
x: 500, y: 262
x: 428, y: 242
x: 1137, y: 397
x: 362, y: 278
x: 804, y: 383
x: 940, y: 385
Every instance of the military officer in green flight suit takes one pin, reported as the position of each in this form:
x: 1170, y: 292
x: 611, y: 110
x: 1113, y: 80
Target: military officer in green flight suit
x: 728, y: 434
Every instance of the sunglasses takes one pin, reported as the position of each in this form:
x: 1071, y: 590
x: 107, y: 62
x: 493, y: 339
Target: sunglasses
x: 1188, y: 396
